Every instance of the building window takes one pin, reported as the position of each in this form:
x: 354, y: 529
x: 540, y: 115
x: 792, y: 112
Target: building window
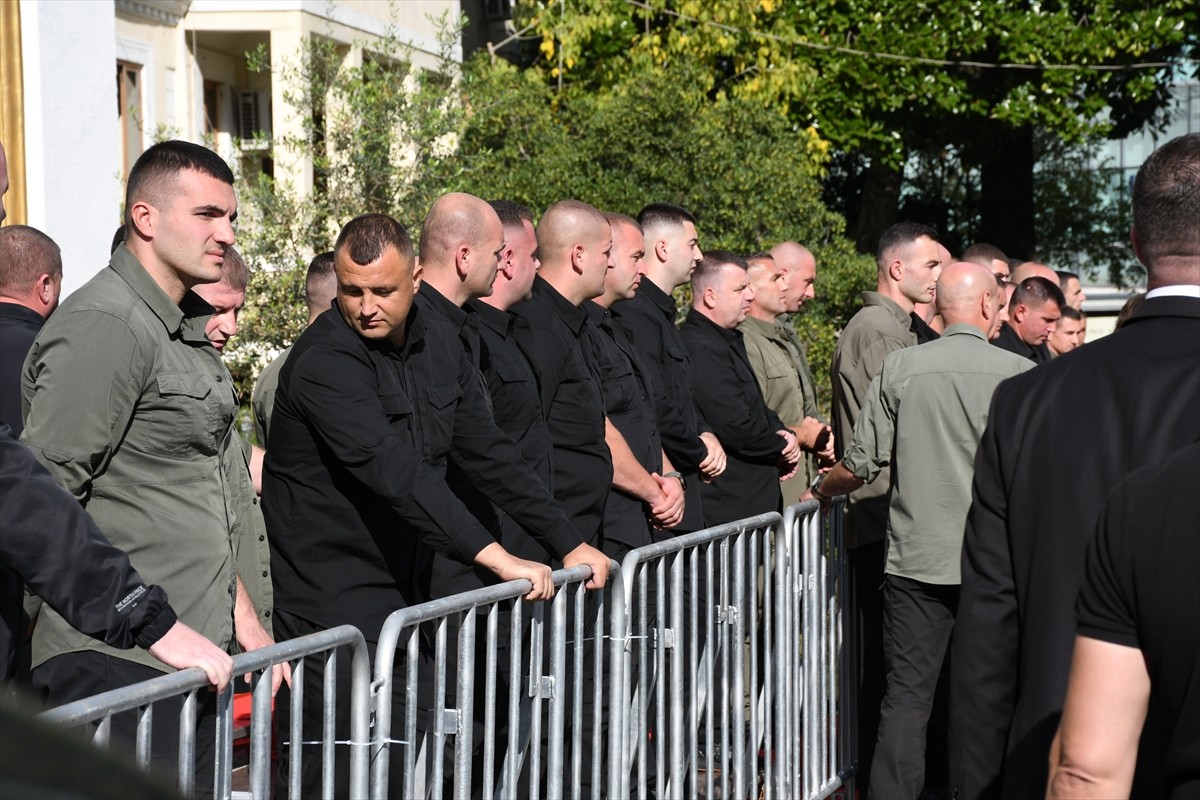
x: 129, y: 111
x: 212, y: 107
x: 497, y: 9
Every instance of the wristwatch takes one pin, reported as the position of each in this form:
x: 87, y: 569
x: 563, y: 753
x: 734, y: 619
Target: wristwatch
x: 815, y: 487
x: 679, y: 475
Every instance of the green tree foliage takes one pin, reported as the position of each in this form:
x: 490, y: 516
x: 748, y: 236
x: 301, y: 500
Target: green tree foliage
x: 387, y: 138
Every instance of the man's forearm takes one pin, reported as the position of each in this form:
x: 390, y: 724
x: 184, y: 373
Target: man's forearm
x: 628, y: 474
x: 839, y: 480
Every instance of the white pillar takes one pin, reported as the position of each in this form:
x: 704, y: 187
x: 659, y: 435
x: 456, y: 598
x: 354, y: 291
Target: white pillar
x: 69, y: 56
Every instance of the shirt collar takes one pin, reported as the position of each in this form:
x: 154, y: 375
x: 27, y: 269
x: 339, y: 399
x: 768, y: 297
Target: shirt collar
x: 1178, y: 290
x: 499, y: 321
x: 597, y: 313
x: 663, y: 300
x: 893, y: 308
x: 963, y: 328
x: 18, y: 311
x: 697, y: 318
x: 574, y: 316
x: 439, y: 303
x: 771, y: 330
x: 188, y: 317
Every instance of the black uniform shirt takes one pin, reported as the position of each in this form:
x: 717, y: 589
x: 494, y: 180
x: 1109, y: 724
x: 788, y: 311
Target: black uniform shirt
x: 19, y: 326
x: 628, y: 405
x: 650, y: 315
x: 571, y: 403
x: 729, y: 398
x: 356, y: 473
x: 1011, y: 341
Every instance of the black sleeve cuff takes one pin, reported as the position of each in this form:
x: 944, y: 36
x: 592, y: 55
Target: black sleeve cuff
x: 158, y: 624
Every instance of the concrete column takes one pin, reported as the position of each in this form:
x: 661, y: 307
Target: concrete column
x: 291, y: 166
x: 71, y: 134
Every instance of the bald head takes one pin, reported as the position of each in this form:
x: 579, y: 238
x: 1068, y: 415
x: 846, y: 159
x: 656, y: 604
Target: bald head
x: 461, y: 244
x: 799, y: 268
x: 574, y: 244
x: 1032, y: 269
x: 969, y: 293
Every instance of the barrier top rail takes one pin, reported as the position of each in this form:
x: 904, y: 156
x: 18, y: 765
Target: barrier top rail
x: 128, y: 698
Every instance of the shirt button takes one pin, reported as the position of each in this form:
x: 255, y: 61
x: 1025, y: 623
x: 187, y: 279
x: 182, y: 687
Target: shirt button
x: 264, y: 573
x: 254, y: 501
x: 267, y: 614
x: 262, y: 538
x: 220, y: 378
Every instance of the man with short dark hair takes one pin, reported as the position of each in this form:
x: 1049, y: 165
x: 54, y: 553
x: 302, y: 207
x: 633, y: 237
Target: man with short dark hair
x: 761, y: 449
x: 908, y: 262
x: 1068, y: 332
x: 671, y: 254
x: 1033, y: 312
x: 371, y: 405
x: 1072, y: 289
x: 988, y: 256
x: 128, y: 405
x: 1039, y: 475
x: 30, y: 285
x: 227, y: 298
x: 320, y: 287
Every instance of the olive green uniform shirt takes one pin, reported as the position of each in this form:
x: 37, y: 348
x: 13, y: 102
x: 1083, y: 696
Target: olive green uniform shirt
x: 128, y: 405
x: 879, y: 328
x: 924, y: 415
x: 250, y: 532
x: 779, y: 366
x: 262, y: 398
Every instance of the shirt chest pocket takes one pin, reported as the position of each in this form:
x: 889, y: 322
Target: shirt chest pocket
x: 437, y: 420
x: 676, y: 369
x: 618, y: 386
x: 182, y: 415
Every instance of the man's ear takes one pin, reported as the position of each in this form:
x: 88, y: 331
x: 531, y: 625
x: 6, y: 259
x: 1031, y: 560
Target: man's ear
x: 577, y: 252
x: 142, y: 216
x: 462, y: 261
x: 985, y: 306
x: 416, y: 275
x: 896, y: 269
x: 660, y: 250
x: 1018, y: 312
x: 1136, y: 240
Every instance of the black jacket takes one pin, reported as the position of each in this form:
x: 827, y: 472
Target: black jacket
x: 729, y: 399
x: 1058, y: 439
x: 19, y: 326
x: 1011, y: 341
x: 50, y: 543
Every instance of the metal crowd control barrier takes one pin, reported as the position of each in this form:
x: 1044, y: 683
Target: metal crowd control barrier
x: 141, y: 698
x: 715, y: 664
x: 820, y: 691
x: 549, y: 666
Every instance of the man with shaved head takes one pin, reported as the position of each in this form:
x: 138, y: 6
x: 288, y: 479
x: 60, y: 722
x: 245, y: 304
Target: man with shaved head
x: 923, y: 415
x: 990, y: 256
x: 760, y: 448
x: 575, y: 248
x: 462, y: 242
x: 779, y: 370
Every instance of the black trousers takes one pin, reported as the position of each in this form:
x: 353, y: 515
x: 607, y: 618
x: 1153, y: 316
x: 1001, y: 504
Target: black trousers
x: 918, y: 620
x: 866, y: 575
x: 74, y: 676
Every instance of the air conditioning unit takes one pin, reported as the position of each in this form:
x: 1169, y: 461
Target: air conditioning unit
x: 254, y: 119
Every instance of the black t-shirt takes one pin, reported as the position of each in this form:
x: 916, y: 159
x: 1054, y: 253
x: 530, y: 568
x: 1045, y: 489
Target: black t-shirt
x: 1142, y: 589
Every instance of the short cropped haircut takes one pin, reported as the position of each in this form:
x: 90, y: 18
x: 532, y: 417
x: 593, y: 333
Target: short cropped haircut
x: 366, y: 237
x: 710, y: 267
x: 512, y: 215
x: 25, y: 255
x: 666, y: 215
x: 759, y: 255
x: 234, y: 272
x: 152, y: 173
x: 1166, y: 199
x: 902, y: 234
x: 1064, y: 276
x: 1068, y: 312
x: 1035, y: 292
x: 615, y: 219
x: 320, y: 271
x: 984, y: 254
